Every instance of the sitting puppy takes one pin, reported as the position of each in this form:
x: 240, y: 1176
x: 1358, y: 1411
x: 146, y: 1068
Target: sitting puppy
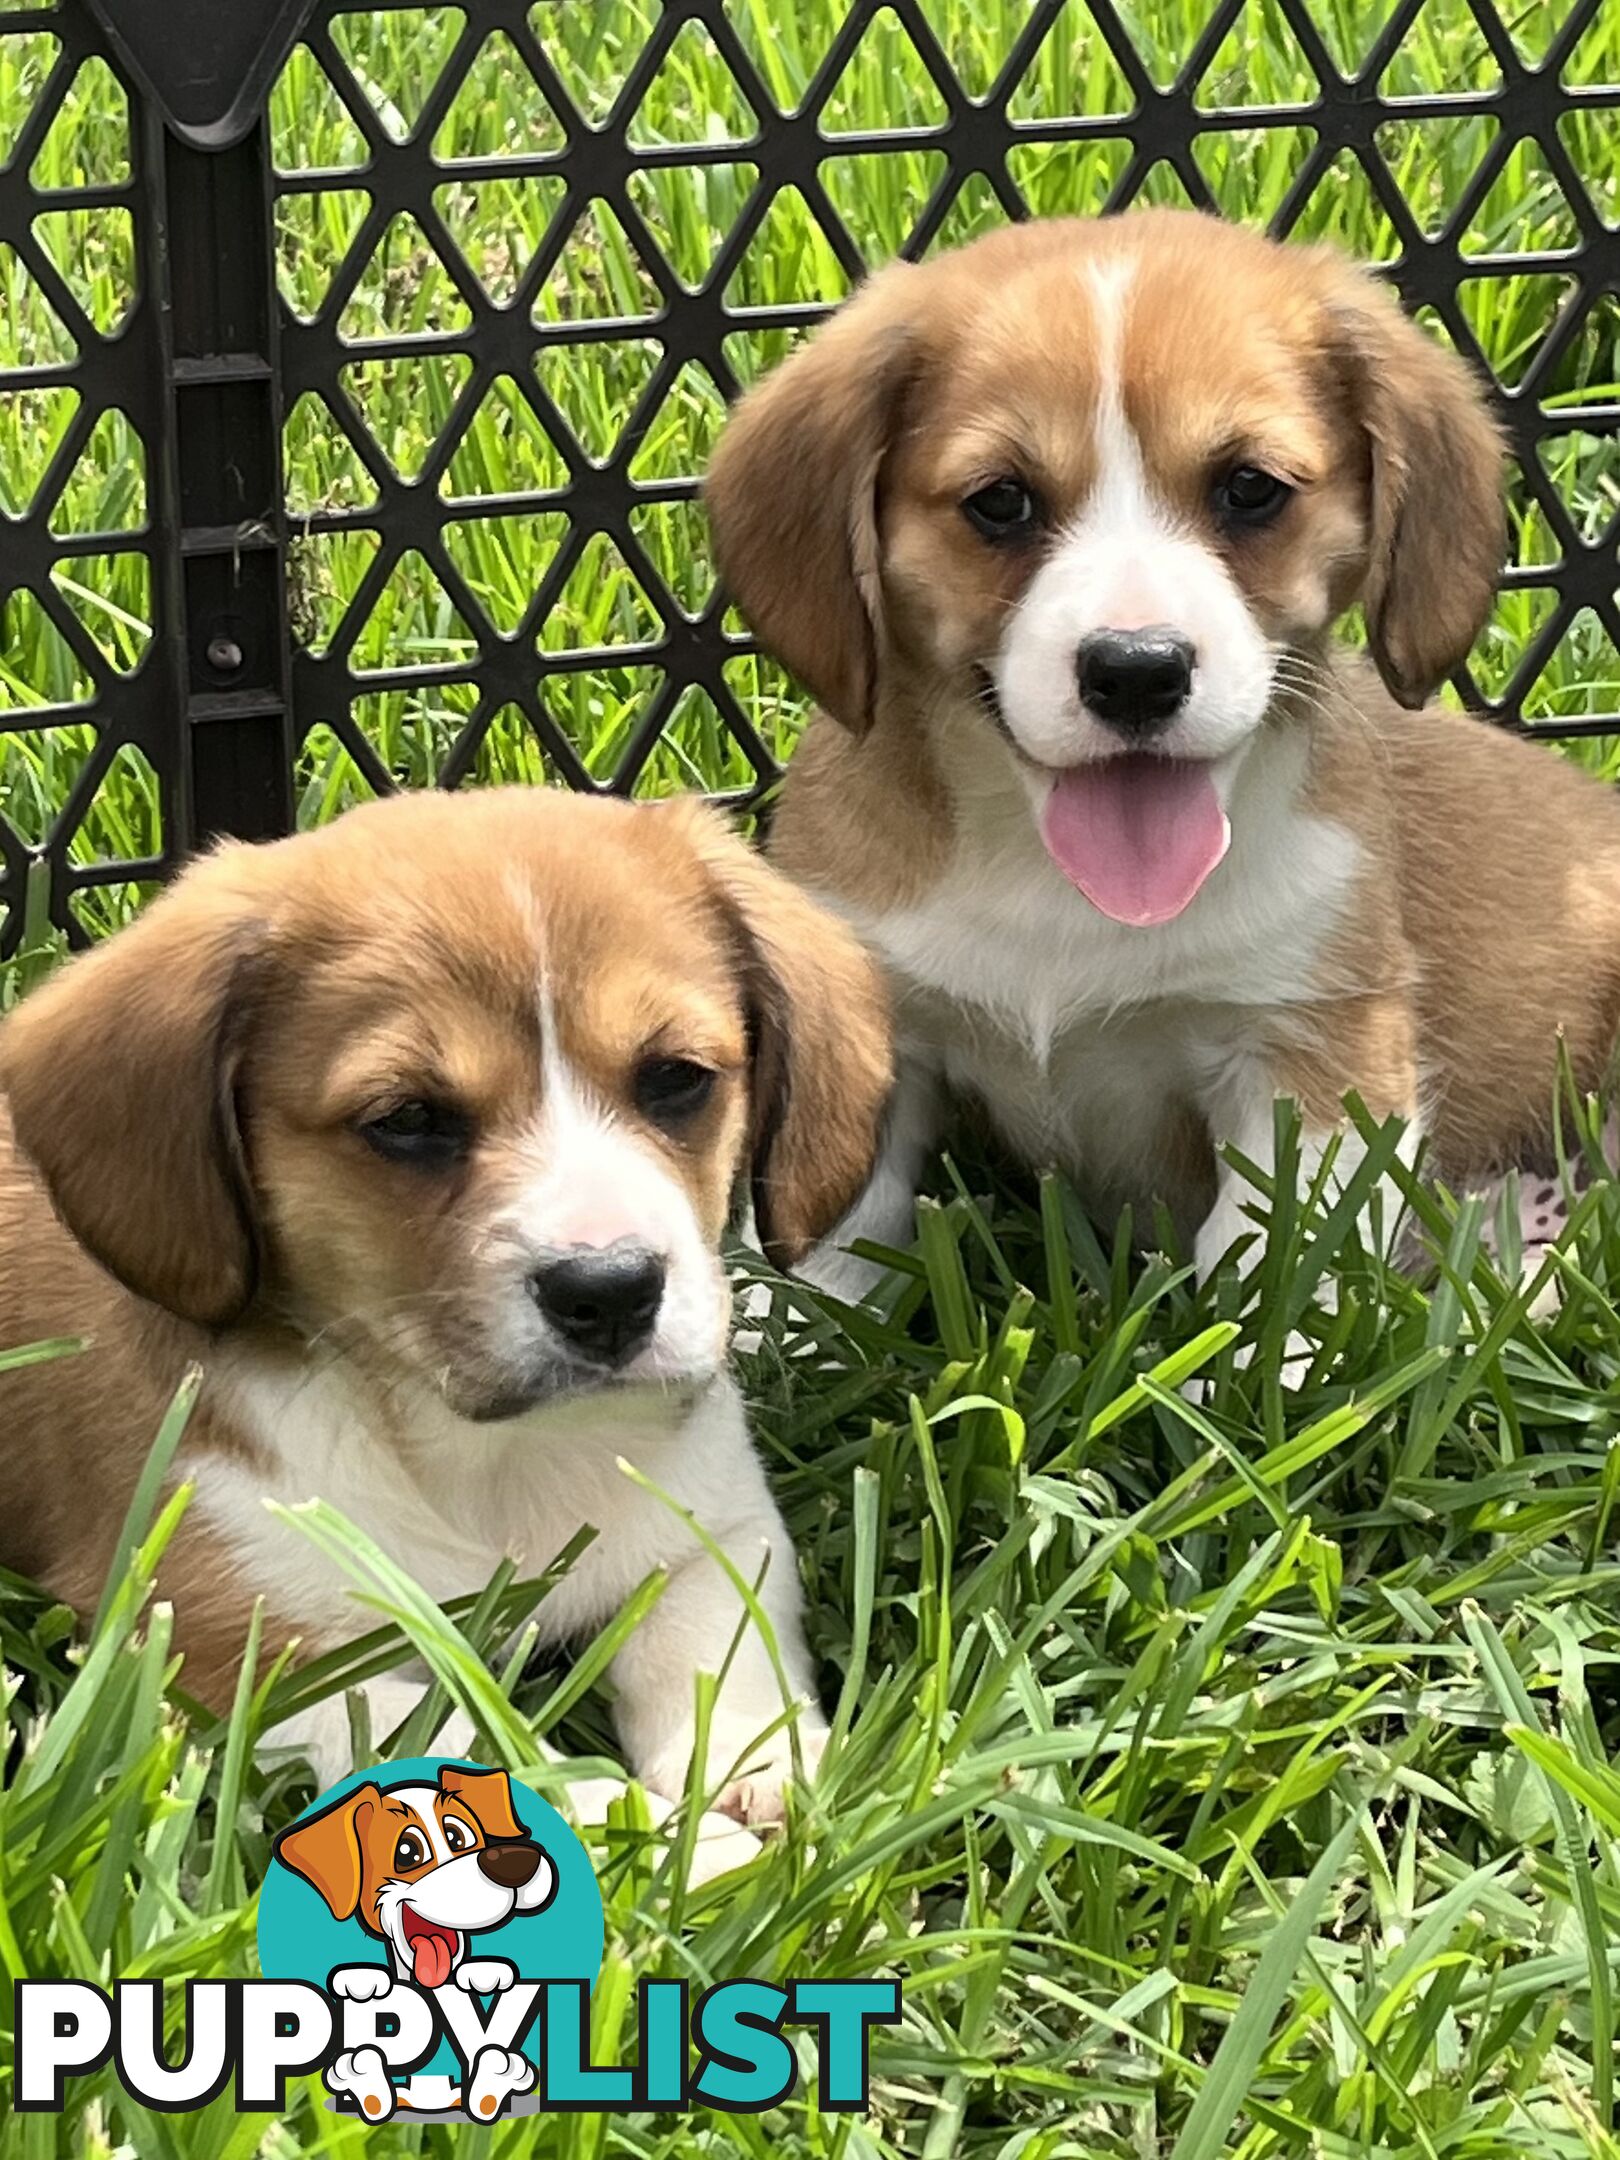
x: 1057, y: 528
x: 419, y: 1133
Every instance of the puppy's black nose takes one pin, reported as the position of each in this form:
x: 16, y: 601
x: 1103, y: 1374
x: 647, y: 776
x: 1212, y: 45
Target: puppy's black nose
x: 1135, y: 680
x: 602, y: 1299
x: 511, y: 1865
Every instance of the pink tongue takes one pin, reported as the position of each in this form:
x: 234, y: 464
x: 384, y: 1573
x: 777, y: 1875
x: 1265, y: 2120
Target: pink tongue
x: 431, y: 1960
x: 1138, y: 835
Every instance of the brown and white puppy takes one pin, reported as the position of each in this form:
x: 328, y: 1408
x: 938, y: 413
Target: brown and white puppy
x: 1056, y: 528
x: 419, y: 1134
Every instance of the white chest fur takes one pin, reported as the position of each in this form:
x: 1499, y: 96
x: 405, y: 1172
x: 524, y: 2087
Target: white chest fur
x: 1083, y: 1038
x: 448, y: 1501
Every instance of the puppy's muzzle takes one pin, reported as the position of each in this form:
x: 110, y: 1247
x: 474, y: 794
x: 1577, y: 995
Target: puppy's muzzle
x: 1135, y: 681
x: 602, y: 1300
x: 510, y: 1864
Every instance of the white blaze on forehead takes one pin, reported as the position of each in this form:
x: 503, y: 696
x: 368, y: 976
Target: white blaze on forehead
x: 595, y: 1180
x: 586, y: 1174
x: 419, y: 1799
x: 1139, y: 587
x: 1126, y: 561
x: 1119, y: 455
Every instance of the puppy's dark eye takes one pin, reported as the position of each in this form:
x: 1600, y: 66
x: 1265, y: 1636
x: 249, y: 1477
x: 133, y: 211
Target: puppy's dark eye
x: 1248, y: 495
x: 1005, y: 510
x: 669, y: 1089
x: 430, y: 1135
x: 457, y: 1836
x: 411, y: 1850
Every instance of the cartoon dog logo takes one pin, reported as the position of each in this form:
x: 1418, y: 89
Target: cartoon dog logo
x: 424, y: 1868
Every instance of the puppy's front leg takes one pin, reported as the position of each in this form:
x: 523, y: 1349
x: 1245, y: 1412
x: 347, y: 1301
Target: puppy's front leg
x: 698, y: 1621
x: 1362, y: 1045
x: 885, y: 1213
x: 321, y: 1733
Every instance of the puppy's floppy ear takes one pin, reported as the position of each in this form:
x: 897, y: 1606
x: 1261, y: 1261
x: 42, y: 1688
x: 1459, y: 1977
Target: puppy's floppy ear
x: 792, y: 496
x: 1437, y: 526
x: 489, y: 1794
x: 822, y: 1044
x: 325, y: 1850
x: 120, y: 1071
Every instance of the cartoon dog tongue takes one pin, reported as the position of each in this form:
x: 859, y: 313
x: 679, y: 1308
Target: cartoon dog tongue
x: 432, y: 1948
x: 1137, y: 835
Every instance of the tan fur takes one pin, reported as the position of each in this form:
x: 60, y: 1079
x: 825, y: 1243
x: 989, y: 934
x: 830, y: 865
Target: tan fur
x: 1509, y: 877
x: 1486, y: 924
x: 807, y: 553
x: 179, y: 1168
x: 1486, y: 928
x: 894, y: 837
x: 170, y: 1001
x: 823, y: 1057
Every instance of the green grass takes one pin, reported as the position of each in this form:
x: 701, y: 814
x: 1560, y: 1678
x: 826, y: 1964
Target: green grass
x: 1220, y: 1779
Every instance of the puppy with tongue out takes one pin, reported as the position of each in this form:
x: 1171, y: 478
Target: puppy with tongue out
x: 1057, y: 528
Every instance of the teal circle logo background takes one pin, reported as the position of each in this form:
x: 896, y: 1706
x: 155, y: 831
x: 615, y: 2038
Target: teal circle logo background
x: 299, y: 1939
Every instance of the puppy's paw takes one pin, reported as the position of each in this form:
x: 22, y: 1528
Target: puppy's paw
x: 361, y: 2075
x: 586, y: 1800
x: 758, y: 1794
x: 498, y: 2075
x: 484, y: 1976
x: 759, y: 1800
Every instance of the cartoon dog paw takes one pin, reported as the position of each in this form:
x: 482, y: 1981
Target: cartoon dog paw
x: 498, y: 2075
x: 361, y: 2075
x: 361, y: 1983
x: 484, y: 1976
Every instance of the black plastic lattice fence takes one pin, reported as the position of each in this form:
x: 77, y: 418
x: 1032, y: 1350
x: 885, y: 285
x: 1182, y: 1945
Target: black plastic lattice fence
x: 350, y: 429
